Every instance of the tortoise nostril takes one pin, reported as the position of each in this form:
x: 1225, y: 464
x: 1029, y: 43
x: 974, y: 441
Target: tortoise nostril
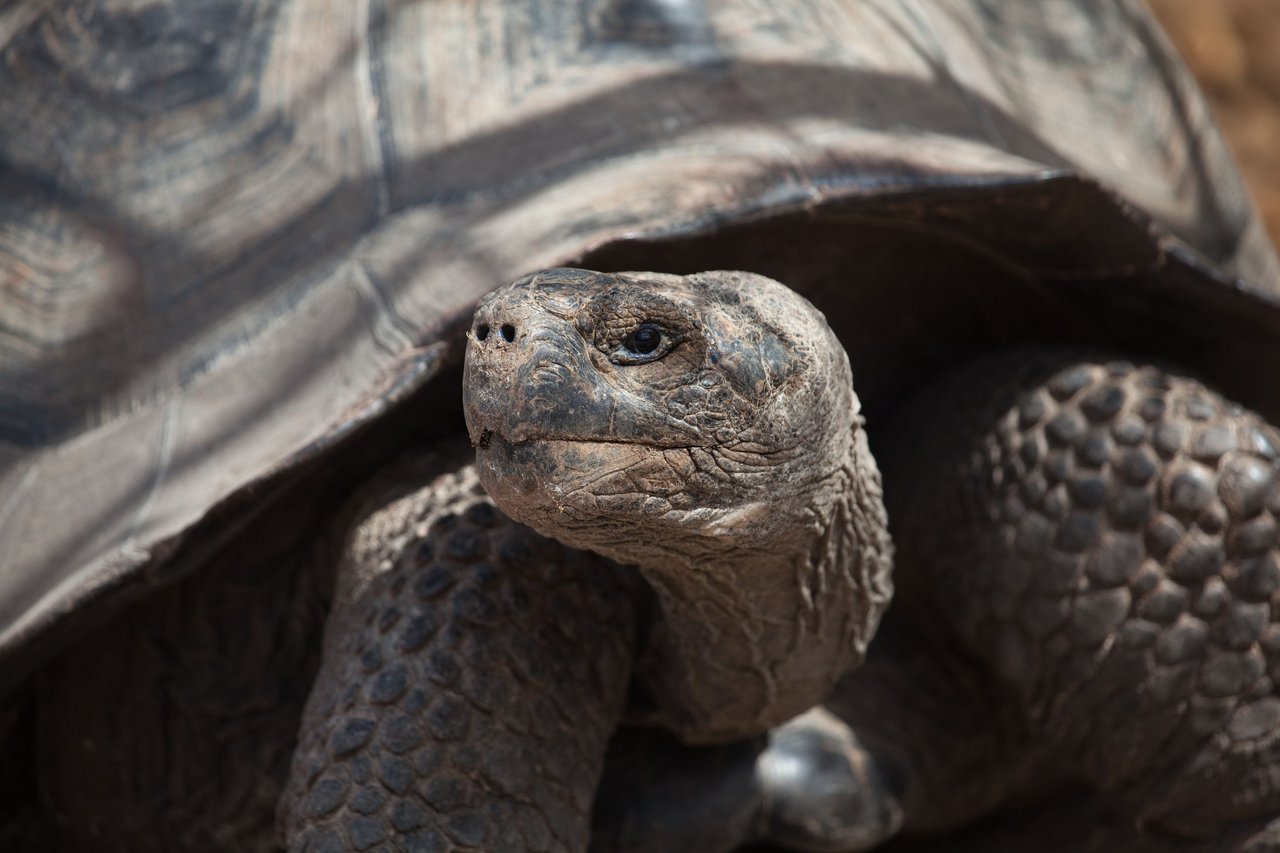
x: 482, y: 331
x: 508, y: 332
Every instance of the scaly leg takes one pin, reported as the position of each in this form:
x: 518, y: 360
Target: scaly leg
x: 1103, y: 538
x: 473, y: 673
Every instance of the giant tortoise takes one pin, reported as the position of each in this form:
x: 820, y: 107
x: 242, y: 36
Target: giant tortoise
x: 241, y: 246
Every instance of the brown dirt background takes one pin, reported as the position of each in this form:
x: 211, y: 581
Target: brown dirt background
x: 1233, y: 47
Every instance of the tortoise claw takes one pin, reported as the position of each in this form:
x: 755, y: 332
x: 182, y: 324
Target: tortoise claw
x: 810, y: 786
x: 822, y: 791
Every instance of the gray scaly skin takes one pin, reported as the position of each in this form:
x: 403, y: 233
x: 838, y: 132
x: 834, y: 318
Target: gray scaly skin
x: 457, y: 708
x: 1101, y: 537
x: 1086, y: 557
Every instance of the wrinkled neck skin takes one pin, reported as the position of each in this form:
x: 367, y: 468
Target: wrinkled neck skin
x: 754, y: 633
x: 729, y: 464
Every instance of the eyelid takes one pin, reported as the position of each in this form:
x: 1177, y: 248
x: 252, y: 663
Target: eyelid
x: 623, y: 356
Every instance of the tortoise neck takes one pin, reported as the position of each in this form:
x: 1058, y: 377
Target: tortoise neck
x: 751, y: 636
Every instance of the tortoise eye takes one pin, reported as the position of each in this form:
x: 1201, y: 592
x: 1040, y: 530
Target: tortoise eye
x: 646, y: 342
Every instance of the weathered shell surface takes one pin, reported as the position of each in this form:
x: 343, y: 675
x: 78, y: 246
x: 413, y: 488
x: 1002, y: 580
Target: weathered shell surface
x: 233, y: 231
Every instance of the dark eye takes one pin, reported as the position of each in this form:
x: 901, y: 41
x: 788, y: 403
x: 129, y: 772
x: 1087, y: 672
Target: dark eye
x: 646, y: 342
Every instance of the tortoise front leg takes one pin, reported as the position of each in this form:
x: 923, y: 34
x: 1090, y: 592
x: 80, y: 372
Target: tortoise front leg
x: 473, y: 674
x: 1100, y: 538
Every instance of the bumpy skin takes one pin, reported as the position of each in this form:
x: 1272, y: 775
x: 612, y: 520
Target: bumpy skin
x: 1100, y: 540
x: 474, y: 674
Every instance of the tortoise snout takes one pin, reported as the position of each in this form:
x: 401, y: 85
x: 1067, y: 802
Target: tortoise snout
x: 494, y: 327
x: 521, y: 360
x: 498, y: 340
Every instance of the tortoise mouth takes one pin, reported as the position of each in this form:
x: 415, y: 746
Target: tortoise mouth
x: 486, y: 437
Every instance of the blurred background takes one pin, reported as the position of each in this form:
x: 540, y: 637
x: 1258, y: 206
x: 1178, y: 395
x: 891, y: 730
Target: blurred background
x: 1233, y: 46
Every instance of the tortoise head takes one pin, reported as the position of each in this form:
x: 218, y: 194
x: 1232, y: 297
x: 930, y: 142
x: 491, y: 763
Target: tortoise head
x: 643, y: 414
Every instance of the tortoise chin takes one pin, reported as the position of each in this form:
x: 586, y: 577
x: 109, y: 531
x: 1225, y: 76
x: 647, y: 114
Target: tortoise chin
x: 589, y: 494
